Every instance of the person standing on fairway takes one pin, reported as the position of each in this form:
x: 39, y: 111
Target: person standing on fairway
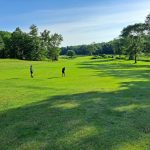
x: 31, y: 71
x: 63, y: 72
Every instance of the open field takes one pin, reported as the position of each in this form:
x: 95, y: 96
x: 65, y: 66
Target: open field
x: 100, y: 105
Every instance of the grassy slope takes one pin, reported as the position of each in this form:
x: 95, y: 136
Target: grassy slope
x: 101, y: 104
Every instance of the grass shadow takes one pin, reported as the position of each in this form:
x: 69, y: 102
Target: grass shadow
x: 51, y: 78
x: 91, y: 121
x: 118, y: 69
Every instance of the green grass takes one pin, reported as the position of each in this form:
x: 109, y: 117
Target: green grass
x: 99, y: 105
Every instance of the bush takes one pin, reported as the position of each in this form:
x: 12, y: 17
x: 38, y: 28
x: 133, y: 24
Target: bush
x: 95, y: 57
x: 120, y: 57
x: 110, y: 56
x: 103, y: 55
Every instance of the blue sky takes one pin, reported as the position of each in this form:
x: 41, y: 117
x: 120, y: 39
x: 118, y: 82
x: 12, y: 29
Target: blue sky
x: 79, y: 21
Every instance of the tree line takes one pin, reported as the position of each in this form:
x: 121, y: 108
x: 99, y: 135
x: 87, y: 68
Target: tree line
x: 91, y: 49
x: 30, y: 46
x: 133, y: 40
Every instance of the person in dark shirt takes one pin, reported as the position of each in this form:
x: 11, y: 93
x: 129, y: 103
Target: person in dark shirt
x: 63, y: 72
x: 31, y: 71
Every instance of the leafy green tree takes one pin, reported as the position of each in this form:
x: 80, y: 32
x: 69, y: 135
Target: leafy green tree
x: 5, y: 44
x: 118, y: 46
x: 30, y: 45
x: 45, y: 37
x: 1, y: 46
x: 33, y: 31
x: 53, y: 46
x: 37, y: 52
x: 71, y: 53
x: 147, y: 35
x: 134, y: 35
x: 91, y: 48
x: 147, y: 21
x: 1, y: 43
x: 20, y: 45
x: 16, y: 50
x: 107, y: 48
x: 26, y: 46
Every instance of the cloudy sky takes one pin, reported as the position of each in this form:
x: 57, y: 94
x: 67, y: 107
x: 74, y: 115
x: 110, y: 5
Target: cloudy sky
x: 79, y: 21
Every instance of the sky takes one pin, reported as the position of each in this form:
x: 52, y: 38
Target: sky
x: 79, y: 21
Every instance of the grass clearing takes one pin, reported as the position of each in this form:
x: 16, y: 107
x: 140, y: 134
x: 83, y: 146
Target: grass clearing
x: 100, y: 104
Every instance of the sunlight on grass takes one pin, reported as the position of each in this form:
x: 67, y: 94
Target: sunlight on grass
x: 68, y: 105
x: 131, y: 107
x: 32, y: 145
x: 80, y: 133
x: 139, y: 144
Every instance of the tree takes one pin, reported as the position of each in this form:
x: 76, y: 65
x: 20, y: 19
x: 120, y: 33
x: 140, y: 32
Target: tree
x: 45, y: 37
x: 33, y: 31
x: 118, y: 46
x: 53, y: 46
x: 91, y: 48
x: 26, y: 46
x: 107, y: 48
x: 71, y: 53
x: 147, y: 21
x: 146, y: 48
x: 1, y: 46
x: 147, y: 35
x: 5, y: 44
x: 1, y: 43
x: 134, y: 35
x: 16, y: 49
x: 38, y: 52
x: 30, y: 46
